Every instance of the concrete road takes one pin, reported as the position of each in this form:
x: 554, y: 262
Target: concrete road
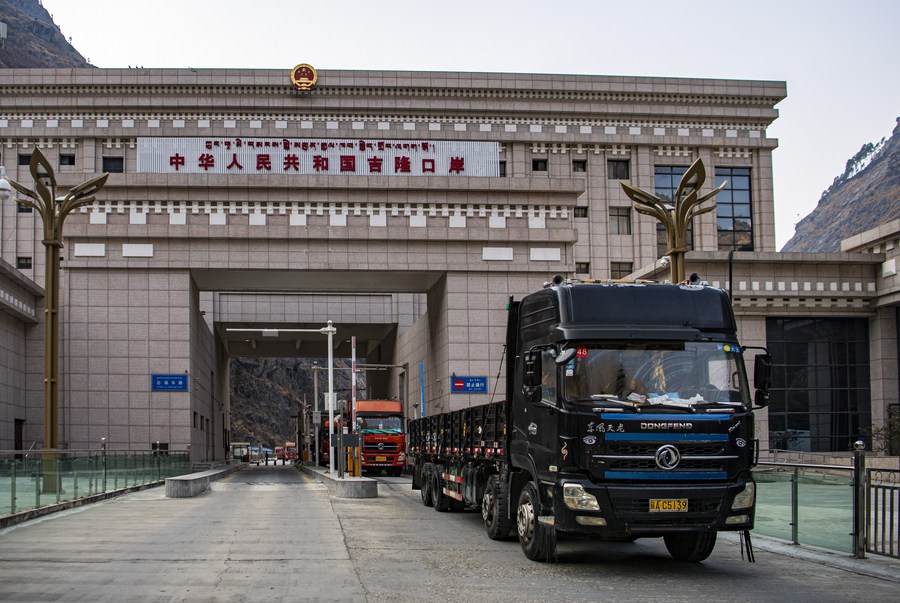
x: 270, y: 534
x: 404, y: 551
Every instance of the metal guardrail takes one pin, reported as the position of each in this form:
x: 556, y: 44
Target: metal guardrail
x: 40, y: 478
x: 883, y: 512
x: 867, y: 504
x: 797, y: 472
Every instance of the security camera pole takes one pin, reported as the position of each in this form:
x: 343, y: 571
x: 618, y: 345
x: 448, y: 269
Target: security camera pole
x: 53, y: 212
x: 676, y: 218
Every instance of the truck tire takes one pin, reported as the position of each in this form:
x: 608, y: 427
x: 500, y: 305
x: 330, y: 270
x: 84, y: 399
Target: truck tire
x: 442, y: 502
x: 538, y: 540
x: 690, y: 546
x: 495, y: 509
x: 425, y: 489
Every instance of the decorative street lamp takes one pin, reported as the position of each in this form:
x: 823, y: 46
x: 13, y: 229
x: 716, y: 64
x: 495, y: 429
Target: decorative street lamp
x: 676, y: 218
x: 53, y: 212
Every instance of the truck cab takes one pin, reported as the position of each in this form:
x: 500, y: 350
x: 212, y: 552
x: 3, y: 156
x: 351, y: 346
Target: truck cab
x: 631, y: 413
x: 381, y: 426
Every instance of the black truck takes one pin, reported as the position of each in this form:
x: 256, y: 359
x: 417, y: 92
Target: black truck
x: 627, y: 415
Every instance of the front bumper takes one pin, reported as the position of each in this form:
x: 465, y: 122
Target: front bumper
x: 369, y: 460
x: 626, y: 509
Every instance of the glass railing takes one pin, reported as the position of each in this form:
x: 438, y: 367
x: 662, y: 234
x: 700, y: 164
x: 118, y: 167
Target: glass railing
x: 41, y: 478
x: 806, y: 504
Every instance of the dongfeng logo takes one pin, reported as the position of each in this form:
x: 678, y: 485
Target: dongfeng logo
x: 589, y: 440
x: 667, y: 457
x: 380, y: 445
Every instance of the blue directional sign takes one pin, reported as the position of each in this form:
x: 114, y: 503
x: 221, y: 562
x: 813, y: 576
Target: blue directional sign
x: 169, y: 383
x: 468, y: 385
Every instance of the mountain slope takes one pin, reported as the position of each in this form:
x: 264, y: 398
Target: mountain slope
x: 866, y: 195
x: 265, y: 392
x: 33, y: 39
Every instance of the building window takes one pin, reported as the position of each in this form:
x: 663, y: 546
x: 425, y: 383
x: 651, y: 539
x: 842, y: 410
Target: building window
x: 618, y: 169
x: 580, y: 212
x: 25, y: 159
x: 583, y: 267
x: 503, y: 169
x: 733, y: 210
x: 666, y: 179
x: 66, y: 160
x: 579, y: 165
x: 538, y: 165
x: 23, y: 263
x: 618, y: 270
x: 114, y: 165
x: 820, y: 395
x: 620, y: 220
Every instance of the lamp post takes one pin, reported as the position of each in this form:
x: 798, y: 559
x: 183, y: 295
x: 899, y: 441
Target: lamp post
x: 53, y: 212
x: 330, y: 331
x: 677, y: 215
x: 317, y: 414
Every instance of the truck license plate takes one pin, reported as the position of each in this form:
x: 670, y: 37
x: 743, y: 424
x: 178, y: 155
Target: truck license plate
x: 380, y: 459
x: 668, y: 504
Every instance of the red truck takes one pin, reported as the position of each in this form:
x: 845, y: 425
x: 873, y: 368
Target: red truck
x: 384, y: 439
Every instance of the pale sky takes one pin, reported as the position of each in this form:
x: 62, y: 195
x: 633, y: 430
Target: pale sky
x: 840, y: 59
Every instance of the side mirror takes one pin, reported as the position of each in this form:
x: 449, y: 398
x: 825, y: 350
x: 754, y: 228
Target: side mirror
x: 566, y: 356
x: 762, y: 379
x: 533, y: 371
x: 762, y: 372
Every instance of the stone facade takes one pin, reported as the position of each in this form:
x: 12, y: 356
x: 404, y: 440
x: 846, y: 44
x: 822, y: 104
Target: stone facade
x: 407, y: 207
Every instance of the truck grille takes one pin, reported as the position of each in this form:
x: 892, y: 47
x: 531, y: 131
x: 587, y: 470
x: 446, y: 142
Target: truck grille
x: 377, y: 447
x: 650, y: 465
x: 633, y: 458
x: 685, y: 448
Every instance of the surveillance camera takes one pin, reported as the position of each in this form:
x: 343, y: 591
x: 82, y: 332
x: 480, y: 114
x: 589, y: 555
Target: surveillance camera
x: 664, y: 261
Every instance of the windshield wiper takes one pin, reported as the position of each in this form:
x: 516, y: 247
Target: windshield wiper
x: 720, y: 404
x: 682, y: 408
x: 616, y: 404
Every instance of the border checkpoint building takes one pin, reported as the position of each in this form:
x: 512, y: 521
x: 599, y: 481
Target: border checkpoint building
x: 245, y: 207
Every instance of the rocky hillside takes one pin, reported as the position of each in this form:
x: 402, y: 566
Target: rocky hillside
x: 33, y: 39
x: 265, y: 392
x: 866, y: 195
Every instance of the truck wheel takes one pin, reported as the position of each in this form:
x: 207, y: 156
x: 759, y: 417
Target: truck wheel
x: 425, y: 490
x: 690, y: 546
x: 442, y: 502
x: 538, y: 540
x: 494, y: 507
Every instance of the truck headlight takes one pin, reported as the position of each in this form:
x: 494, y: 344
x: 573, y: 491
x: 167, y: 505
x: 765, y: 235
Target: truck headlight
x: 576, y: 498
x: 401, y: 457
x: 745, y: 498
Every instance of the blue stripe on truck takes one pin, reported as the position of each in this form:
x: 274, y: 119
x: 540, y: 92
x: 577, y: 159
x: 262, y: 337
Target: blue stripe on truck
x: 666, y: 475
x: 665, y: 436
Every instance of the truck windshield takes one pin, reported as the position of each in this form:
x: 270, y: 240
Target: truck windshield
x: 694, y: 374
x: 381, y: 425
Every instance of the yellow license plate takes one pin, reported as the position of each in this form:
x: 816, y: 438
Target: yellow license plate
x: 380, y: 459
x: 668, y: 504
